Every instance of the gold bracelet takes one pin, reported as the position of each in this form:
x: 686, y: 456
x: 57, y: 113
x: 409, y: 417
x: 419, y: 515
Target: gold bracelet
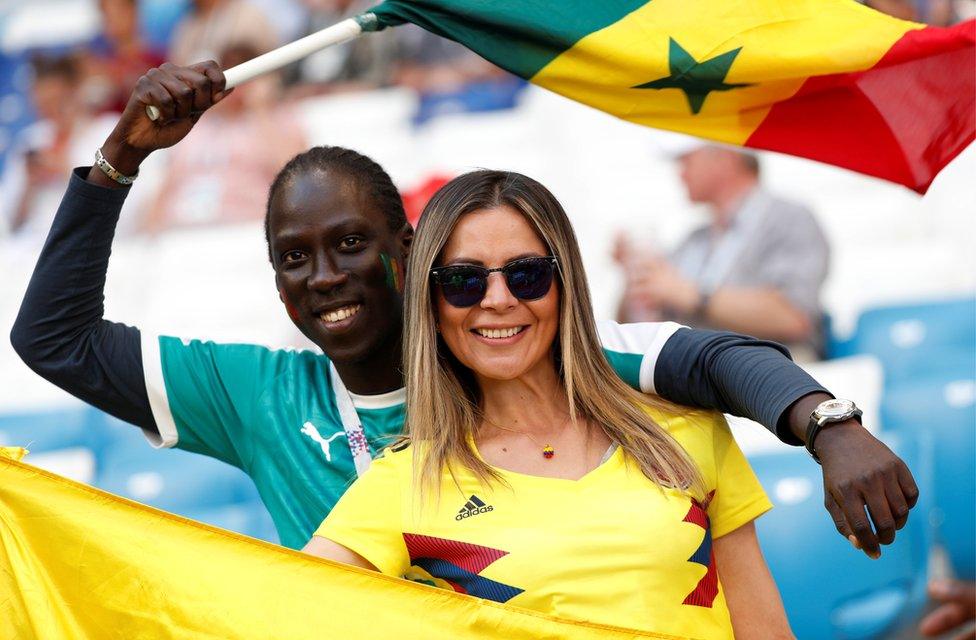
x: 111, y: 171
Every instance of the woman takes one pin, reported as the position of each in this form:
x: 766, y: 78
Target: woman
x: 534, y: 475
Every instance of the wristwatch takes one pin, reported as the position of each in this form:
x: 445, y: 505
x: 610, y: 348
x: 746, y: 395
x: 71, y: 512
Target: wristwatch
x: 827, y: 413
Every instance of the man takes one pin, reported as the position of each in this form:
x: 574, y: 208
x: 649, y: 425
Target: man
x: 34, y: 175
x: 756, y: 268
x: 302, y: 424
x: 118, y: 56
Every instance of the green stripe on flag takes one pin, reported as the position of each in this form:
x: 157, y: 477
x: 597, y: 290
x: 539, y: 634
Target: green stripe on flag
x: 521, y: 36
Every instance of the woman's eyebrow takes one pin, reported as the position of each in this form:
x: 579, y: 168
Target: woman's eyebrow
x: 463, y: 260
x: 521, y: 256
x: 479, y: 263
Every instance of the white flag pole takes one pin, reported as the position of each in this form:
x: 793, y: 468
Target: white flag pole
x: 292, y: 52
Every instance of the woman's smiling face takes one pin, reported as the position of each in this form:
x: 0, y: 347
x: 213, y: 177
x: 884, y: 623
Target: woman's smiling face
x: 500, y: 337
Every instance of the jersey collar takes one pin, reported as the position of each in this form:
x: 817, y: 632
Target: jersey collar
x: 380, y: 400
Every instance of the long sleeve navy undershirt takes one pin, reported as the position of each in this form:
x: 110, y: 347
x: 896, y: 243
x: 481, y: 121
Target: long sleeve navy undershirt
x: 61, y: 334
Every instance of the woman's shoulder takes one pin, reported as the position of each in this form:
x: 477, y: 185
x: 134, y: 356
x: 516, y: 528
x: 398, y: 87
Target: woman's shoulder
x: 678, y: 420
x: 703, y: 434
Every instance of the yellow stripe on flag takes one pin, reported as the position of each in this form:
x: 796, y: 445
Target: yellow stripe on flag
x: 79, y: 563
x: 780, y: 46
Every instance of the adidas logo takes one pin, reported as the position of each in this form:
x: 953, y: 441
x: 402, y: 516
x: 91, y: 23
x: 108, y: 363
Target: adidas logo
x: 473, y: 507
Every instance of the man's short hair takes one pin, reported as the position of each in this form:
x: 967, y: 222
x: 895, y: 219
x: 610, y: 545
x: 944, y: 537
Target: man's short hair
x: 750, y: 161
x: 56, y: 66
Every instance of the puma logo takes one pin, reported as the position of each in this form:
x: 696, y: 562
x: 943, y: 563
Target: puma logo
x: 309, y: 429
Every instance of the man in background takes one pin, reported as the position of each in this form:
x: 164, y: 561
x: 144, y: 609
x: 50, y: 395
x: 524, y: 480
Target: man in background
x: 117, y: 57
x: 43, y: 153
x: 757, y: 267
x: 939, y: 13
x: 212, y: 26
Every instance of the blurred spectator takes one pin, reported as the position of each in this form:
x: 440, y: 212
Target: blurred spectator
x: 939, y: 13
x: 222, y: 171
x: 902, y: 9
x: 429, y: 63
x: 368, y: 62
x: 214, y: 25
x: 63, y: 136
x: 118, y: 57
x: 956, y: 611
x: 756, y: 268
x: 964, y: 9
x: 450, y: 78
x: 407, y: 56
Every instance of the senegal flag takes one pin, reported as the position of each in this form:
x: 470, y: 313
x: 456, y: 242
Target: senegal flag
x: 829, y: 80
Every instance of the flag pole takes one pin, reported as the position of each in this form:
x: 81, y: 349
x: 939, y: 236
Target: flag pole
x: 293, y: 52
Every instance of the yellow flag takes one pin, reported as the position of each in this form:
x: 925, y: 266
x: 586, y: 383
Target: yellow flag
x: 79, y: 563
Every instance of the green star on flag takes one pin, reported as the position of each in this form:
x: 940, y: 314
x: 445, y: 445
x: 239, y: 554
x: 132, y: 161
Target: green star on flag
x: 696, y: 79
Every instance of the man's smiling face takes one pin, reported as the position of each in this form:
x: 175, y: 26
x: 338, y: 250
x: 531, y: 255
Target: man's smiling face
x: 338, y: 265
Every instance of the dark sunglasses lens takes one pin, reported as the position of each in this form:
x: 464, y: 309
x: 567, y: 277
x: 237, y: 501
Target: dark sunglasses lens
x: 462, y: 287
x: 530, y: 279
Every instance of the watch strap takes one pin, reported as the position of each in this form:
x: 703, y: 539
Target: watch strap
x: 816, y: 425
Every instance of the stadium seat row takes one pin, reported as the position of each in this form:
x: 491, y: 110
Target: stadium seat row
x: 88, y: 445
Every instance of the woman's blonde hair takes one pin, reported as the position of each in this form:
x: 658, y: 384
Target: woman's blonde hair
x: 442, y: 394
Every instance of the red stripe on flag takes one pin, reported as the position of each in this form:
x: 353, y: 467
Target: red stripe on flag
x: 902, y: 120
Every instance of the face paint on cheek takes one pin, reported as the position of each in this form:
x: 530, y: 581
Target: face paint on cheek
x: 289, y: 307
x: 394, y: 272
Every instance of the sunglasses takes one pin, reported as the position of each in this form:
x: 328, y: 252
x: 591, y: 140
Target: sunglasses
x: 465, y: 285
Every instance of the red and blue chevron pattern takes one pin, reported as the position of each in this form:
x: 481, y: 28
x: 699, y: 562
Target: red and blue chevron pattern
x: 705, y: 591
x: 458, y: 564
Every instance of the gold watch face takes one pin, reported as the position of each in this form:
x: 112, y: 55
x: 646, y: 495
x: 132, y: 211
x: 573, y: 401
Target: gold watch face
x: 835, y: 408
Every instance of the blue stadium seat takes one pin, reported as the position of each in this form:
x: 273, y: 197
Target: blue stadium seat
x: 914, y: 339
x: 173, y: 480
x: 114, y: 434
x: 158, y: 20
x: 944, y: 406
x: 473, y: 97
x: 48, y: 430
x: 16, y: 110
x: 831, y: 590
x: 187, y: 484
x: 191, y: 485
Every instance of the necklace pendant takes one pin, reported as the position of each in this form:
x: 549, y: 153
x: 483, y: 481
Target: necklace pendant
x: 548, y: 452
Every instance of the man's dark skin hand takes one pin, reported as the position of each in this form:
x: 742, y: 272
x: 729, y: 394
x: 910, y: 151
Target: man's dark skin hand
x: 860, y: 474
x: 189, y: 92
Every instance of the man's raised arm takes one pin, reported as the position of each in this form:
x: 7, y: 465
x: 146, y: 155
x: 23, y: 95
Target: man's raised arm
x: 60, y: 332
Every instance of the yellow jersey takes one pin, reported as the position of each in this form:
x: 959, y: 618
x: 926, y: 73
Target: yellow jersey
x: 612, y: 547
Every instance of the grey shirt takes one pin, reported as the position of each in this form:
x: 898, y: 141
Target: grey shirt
x: 770, y: 242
